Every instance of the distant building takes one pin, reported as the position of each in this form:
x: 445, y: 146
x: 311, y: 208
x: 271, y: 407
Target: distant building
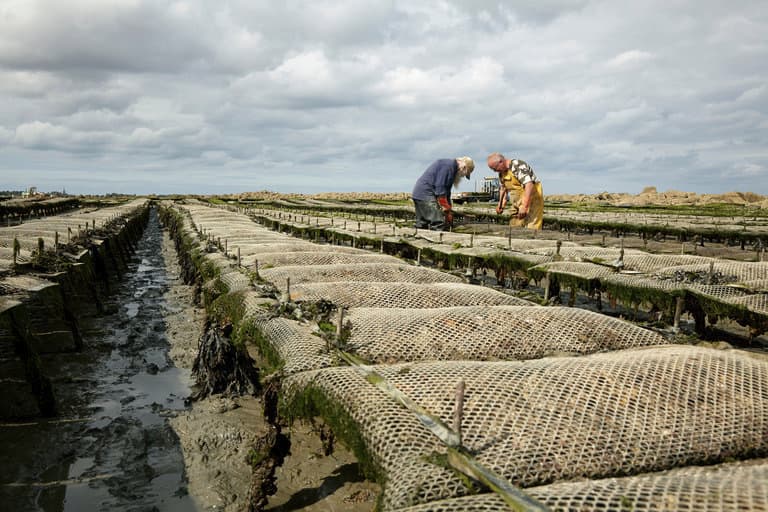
x: 29, y: 193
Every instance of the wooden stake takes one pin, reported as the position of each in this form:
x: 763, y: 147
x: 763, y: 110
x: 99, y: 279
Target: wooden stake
x: 339, y: 324
x: 458, y: 411
x: 678, y: 312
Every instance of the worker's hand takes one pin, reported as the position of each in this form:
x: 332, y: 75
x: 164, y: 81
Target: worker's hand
x: 522, y: 212
x: 443, y: 202
x: 449, y: 217
x: 499, y: 209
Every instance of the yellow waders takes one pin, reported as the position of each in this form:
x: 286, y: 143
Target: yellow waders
x: 535, y: 216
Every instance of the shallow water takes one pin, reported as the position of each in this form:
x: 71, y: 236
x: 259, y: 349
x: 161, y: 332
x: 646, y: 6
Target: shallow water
x: 111, y: 447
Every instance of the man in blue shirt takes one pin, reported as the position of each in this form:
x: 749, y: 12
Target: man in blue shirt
x: 432, y: 193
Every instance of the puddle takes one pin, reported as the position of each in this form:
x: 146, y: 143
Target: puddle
x: 111, y: 448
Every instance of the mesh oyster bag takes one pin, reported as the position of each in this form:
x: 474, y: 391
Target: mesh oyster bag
x: 296, y: 346
x: 740, y: 486
x: 487, y: 333
x: 322, y: 258
x: 546, y: 420
x: 386, y: 272
x: 402, y: 295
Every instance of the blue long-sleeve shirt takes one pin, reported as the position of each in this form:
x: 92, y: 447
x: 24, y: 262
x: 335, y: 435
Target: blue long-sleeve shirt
x: 437, y: 180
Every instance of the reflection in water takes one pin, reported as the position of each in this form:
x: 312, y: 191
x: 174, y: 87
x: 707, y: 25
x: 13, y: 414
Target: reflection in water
x: 111, y: 449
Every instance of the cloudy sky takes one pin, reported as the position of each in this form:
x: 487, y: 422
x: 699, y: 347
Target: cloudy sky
x: 221, y: 96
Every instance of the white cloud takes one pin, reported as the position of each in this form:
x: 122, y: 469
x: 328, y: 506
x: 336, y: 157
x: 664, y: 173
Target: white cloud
x: 628, y: 58
x: 445, y: 85
x: 590, y: 92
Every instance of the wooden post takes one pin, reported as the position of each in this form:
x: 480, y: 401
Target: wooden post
x: 239, y: 261
x: 678, y: 312
x: 458, y: 411
x: 418, y: 257
x: 339, y: 324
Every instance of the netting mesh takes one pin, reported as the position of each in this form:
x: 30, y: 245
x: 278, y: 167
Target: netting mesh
x: 253, y: 253
x: 322, y: 258
x: 757, y: 285
x: 67, y: 225
x: 534, y: 422
x: 235, y: 281
x: 477, y: 333
x: 724, y: 488
x: 717, y: 271
x: 386, y: 272
x: 297, y: 346
x: 402, y: 295
x: 729, y: 282
x: 487, y: 333
x: 540, y: 421
x: 739, y: 224
x: 579, y: 269
x: 757, y: 302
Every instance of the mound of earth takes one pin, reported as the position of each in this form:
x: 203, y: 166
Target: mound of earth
x: 650, y: 196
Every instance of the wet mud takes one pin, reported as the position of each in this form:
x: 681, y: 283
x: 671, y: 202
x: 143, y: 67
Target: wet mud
x: 128, y: 437
x: 111, y: 447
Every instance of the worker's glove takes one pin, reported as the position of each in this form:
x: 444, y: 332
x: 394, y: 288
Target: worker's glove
x: 449, y: 217
x: 443, y: 202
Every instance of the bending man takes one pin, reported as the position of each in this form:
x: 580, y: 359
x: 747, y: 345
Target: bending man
x: 432, y: 193
x: 518, y: 178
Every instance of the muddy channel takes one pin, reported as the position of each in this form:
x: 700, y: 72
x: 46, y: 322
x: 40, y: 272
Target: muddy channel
x: 111, y: 447
x: 127, y: 436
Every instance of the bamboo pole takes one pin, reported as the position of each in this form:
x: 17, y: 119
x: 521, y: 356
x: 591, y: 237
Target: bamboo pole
x: 458, y: 457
